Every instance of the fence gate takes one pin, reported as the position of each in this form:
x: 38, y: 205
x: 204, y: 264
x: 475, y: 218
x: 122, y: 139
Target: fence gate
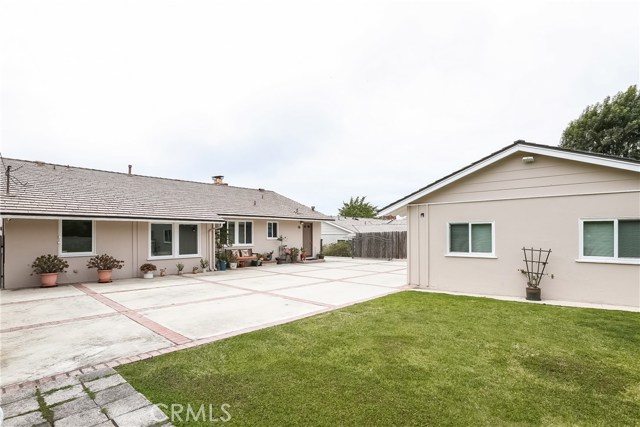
x: 386, y: 245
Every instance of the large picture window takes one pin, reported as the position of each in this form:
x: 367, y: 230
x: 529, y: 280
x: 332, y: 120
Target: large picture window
x: 610, y: 239
x: 239, y: 233
x: 77, y: 237
x: 469, y: 238
x: 168, y: 240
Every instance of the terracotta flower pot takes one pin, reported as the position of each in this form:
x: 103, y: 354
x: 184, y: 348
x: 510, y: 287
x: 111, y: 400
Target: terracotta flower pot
x: 104, y: 276
x: 48, y: 280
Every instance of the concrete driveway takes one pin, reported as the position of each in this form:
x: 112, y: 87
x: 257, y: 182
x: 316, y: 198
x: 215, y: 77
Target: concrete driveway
x: 75, y: 328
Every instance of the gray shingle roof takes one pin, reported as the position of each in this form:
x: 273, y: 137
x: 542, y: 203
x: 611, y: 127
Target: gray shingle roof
x: 58, y: 190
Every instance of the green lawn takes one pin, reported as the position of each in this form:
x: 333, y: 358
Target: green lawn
x: 415, y: 359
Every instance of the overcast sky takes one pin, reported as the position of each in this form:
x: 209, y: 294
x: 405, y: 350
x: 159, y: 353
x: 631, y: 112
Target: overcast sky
x: 318, y: 101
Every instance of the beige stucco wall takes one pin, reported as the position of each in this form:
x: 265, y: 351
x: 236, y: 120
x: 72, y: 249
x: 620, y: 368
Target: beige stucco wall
x: 527, y: 219
x: 129, y: 241
x: 546, y: 176
x: 26, y: 239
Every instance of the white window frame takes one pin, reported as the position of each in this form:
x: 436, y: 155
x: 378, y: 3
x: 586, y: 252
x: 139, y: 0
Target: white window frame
x: 77, y: 254
x: 175, y: 244
x: 277, y: 229
x: 236, y: 233
x: 470, y: 254
x: 602, y: 259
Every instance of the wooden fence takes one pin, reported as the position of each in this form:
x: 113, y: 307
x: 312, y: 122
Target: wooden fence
x: 387, y: 245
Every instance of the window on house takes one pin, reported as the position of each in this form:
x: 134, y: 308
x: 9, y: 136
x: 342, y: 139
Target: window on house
x: 77, y: 237
x: 239, y: 232
x: 188, y: 239
x: 471, y: 238
x: 613, y: 239
x: 245, y: 233
x: 171, y: 240
x: 161, y: 239
x: 272, y: 230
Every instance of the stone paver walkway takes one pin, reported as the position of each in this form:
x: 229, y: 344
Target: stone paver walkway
x: 101, y: 398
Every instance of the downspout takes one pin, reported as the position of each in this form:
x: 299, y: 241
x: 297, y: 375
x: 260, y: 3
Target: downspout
x: 212, y: 240
x: 3, y: 249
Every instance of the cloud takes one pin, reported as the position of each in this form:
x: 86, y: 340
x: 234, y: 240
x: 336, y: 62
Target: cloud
x: 320, y: 101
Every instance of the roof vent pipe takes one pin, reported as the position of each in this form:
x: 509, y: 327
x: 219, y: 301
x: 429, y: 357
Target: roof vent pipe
x: 130, y: 166
x: 218, y: 179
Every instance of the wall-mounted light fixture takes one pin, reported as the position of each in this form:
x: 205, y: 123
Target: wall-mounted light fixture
x: 528, y: 159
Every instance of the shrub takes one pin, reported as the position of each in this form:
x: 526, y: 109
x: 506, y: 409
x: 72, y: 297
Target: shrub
x: 45, y: 264
x: 337, y: 249
x: 105, y: 262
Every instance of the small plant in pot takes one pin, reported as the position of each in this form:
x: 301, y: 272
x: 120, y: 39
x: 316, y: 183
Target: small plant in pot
x: 180, y: 267
x: 204, y: 265
x: 233, y: 261
x: 148, y: 270
x: 222, y: 261
x: 48, y: 267
x: 294, y: 254
x: 105, y: 265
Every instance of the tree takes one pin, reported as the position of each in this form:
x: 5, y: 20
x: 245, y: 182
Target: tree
x: 358, y: 208
x: 611, y: 127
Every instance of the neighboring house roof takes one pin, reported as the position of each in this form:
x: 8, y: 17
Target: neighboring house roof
x: 518, y: 146
x: 44, y: 189
x: 368, y: 225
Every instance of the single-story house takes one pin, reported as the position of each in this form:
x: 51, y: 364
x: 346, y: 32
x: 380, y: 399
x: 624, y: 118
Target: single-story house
x: 77, y: 212
x: 466, y: 231
x: 342, y: 229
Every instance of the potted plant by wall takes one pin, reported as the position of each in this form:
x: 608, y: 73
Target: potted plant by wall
x: 294, y: 254
x: 204, y: 265
x: 233, y: 261
x: 222, y: 261
x: 303, y: 254
x: 320, y: 255
x: 148, y: 270
x: 536, y: 261
x: 48, y: 267
x: 180, y: 267
x: 105, y: 264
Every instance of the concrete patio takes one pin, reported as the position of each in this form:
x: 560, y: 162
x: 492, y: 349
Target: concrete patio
x: 77, y: 328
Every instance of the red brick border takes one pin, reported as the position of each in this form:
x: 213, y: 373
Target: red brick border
x: 167, y: 333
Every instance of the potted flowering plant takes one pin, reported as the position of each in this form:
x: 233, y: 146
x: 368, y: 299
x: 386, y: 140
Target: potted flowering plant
x: 105, y: 265
x: 148, y: 270
x: 48, y: 267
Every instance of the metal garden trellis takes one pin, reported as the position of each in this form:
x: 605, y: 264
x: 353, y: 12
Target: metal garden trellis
x: 535, y: 261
